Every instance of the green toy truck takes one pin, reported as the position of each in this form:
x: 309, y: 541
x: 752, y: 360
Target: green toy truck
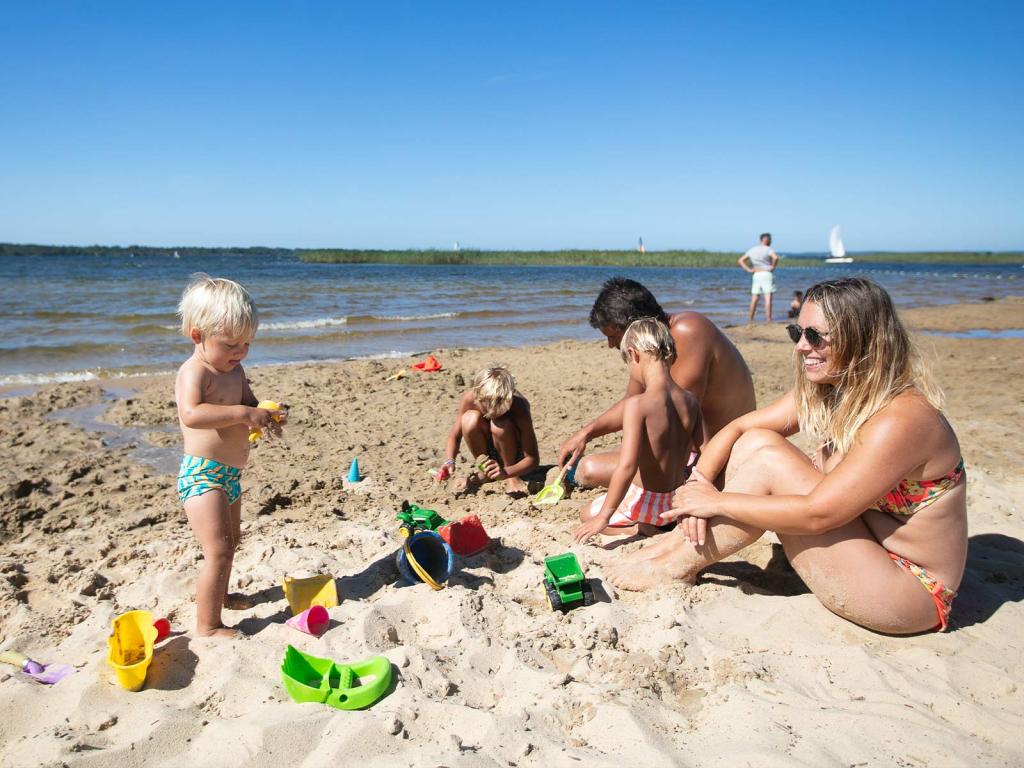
x: 419, y: 519
x: 564, y: 583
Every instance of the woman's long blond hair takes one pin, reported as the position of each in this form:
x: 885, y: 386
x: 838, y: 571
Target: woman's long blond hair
x: 873, y: 360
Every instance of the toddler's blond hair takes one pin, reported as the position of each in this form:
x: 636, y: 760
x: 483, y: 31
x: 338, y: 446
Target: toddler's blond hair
x: 651, y: 337
x: 218, y: 306
x: 493, y: 388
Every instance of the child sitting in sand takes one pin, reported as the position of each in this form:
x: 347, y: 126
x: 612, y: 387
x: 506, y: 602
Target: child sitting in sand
x: 216, y: 411
x: 796, y: 303
x: 658, y: 428
x: 494, y: 419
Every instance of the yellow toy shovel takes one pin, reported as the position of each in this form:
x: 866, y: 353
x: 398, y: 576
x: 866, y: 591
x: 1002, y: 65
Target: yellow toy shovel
x: 552, y: 494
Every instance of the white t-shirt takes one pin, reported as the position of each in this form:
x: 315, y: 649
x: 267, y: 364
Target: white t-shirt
x: 760, y: 256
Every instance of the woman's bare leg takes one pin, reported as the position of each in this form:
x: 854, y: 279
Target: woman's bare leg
x: 846, y: 568
x: 853, y: 576
x: 758, y: 457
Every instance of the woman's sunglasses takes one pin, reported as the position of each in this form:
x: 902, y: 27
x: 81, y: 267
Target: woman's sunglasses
x: 814, y: 337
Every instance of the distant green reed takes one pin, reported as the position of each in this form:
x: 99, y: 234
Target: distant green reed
x: 574, y: 257
x: 536, y: 258
x: 633, y: 258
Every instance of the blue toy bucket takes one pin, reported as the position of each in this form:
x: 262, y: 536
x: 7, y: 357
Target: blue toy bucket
x: 431, y: 553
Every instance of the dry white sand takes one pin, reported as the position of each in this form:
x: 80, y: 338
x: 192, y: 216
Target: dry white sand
x: 746, y: 668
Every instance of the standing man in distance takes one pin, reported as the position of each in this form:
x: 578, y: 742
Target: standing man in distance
x: 760, y: 261
x: 707, y: 364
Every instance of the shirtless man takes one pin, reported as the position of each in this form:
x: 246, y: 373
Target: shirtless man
x: 708, y: 365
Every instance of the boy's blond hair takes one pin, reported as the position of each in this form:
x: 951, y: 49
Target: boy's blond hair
x: 217, y: 306
x: 651, y: 337
x: 493, y: 388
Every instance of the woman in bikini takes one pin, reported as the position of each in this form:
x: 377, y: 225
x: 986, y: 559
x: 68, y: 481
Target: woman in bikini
x: 876, y: 524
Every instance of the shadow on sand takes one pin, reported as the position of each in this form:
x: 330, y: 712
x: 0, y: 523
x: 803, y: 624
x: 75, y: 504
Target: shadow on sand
x: 994, y: 576
x: 173, y: 665
x: 776, y: 578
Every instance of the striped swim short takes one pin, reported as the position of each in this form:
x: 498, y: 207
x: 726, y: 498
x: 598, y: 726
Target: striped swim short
x: 639, y: 506
x: 197, y: 476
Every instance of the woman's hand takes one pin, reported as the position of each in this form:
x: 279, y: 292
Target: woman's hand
x: 695, y: 502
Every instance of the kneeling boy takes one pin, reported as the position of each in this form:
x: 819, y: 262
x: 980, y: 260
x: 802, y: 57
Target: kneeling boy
x: 494, y: 420
x: 658, y: 428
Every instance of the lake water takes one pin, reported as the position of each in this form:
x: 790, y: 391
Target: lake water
x: 65, y: 318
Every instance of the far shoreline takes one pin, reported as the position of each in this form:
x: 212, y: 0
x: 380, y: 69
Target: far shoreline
x: 925, y: 321
x: 569, y: 257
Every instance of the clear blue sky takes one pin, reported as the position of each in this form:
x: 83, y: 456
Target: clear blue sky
x: 526, y: 125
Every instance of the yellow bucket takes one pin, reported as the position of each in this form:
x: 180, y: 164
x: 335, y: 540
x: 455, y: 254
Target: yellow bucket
x: 316, y: 590
x: 131, y: 648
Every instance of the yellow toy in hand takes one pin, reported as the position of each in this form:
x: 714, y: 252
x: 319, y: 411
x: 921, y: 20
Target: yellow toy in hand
x: 268, y: 405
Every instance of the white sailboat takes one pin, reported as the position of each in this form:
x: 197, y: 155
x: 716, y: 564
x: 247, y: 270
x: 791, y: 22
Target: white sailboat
x: 836, y: 249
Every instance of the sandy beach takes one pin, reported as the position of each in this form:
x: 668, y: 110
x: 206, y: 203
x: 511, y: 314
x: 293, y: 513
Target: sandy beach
x: 745, y: 668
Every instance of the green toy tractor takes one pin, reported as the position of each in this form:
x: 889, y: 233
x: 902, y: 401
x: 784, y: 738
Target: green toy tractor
x: 564, y: 583
x: 419, y: 519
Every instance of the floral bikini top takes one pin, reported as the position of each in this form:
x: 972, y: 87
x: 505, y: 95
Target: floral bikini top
x: 911, y: 496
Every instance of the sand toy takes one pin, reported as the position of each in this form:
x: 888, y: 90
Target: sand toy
x: 429, y: 365
x: 353, y: 472
x: 309, y: 679
x: 419, y: 519
x: 425, y: 556
x: 466, y: 536
x: 131, y: 648
x: 313, y: 621
x: 552, y: 494
x: 49, y: 674
x: 163, y: 629
x: 564, y: 583
x: 269, y: 405
x: 401, y: 374
x: 316, y: 590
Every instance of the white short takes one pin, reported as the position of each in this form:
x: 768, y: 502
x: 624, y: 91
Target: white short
x: 762, y: 283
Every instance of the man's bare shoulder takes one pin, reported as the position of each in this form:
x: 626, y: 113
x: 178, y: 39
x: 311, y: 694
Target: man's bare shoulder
x: 691, y: 324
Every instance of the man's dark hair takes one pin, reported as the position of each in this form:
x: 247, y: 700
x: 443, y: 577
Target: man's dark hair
x: 764, y: 235
x: 621, y: 301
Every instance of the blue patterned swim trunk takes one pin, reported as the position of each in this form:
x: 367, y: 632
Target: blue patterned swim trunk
x: 197, y: 476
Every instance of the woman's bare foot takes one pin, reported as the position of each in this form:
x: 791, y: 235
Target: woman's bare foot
x: 229, y: 633
x: 662, y: 562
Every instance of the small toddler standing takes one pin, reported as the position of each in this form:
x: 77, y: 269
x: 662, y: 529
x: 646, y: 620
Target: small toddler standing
x: 658, y: 426
x: 216, y: 411
x: 495, y: 421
